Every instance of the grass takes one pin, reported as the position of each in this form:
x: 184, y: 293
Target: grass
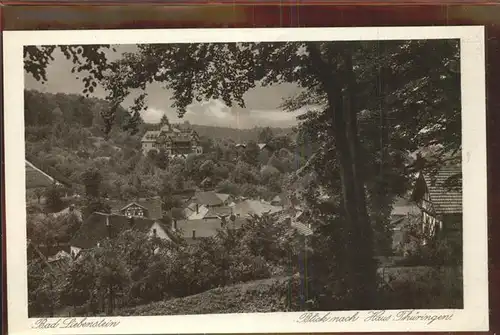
x: 406, y: 288
x: 261, y: 296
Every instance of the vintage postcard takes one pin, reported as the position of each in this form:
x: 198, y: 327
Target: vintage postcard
x: 246, y: 180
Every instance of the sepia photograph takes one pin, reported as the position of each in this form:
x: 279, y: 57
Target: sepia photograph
x: 238, y: 177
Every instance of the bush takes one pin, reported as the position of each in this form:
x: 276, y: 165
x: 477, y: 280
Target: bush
x: 421, y: 287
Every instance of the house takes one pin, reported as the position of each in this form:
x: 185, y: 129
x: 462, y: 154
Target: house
x: 218, y: 212
x: 194, y: 230
x: 176, y: 140
x: 227, y: 199
x: 38, y: 176
x: 195, y: 211
x: 101, y: 226
x: 248, y: 207
x: 207, y: 198
x: 146, y: 208
x: 439, y: 198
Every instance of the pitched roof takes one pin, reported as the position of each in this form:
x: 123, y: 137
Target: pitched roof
x: 191, y: 214
x: 204, y: 227
x: 262, y: 145
x: 218, y: 212
x: 248, y: 207
x: 301, y: 228
x: 150, y: 135
x: 153, y: 206
x: 42, y: 176
x: 132, y: 204
x: 99, y: 226
x: 208, y: 198
x: 277, y: 199
x: 445, y: 196
x: 223, y: 196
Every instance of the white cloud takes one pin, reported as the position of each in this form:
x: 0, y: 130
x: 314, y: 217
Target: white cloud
x: 216, y: 113
x: 152, y: 115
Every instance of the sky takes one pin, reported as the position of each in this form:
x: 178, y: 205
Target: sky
x: 262, y: 103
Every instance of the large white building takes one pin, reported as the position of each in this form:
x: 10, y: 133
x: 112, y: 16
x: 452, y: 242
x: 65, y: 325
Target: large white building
x: 176, y: 140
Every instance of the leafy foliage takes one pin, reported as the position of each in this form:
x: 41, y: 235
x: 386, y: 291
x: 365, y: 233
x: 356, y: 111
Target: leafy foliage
x: 135, y: 268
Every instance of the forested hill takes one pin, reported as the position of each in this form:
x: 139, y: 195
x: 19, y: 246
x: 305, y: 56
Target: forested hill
x: 233, y: 134
x: 42, y: 109
x: 65, y: 132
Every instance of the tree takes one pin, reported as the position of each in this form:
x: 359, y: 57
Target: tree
x: 266, y: 135
x: 38, y: 192
x: 53, y: 198
x: 251, y: 154
x: 281, y: 142
x: 161, y: 159
x: 207, y: 168
x: 92, y: 205
x: 132, y: 122
x: 44, y: 289
x: 164, y: 121
x: 92, y: 179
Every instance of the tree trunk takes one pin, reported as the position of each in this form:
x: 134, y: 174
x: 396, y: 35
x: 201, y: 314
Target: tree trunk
x: 336, y: 75
x: 362, y: 251
x: 361, y: 271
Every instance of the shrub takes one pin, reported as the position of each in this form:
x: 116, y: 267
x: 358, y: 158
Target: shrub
x: 421, y: 287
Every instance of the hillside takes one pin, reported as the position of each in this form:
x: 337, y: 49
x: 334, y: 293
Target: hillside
x: 47, y: 109
x: 261, y: 296
x: 67, y: 133
x: 224, y: 133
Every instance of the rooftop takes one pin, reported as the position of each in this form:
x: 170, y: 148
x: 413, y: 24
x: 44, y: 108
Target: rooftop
x: 99, y: 226
x: 205, y: 227
x: 257, y: 207
x: 218, y: 212
x: 42, y: 176
x: 445, y: 189
x: 208, y: 198
x: 153, y: 206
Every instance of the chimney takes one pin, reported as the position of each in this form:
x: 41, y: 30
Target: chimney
x: 197, y: 209
x: 174, y: 224
x: 194, y: 234
x: 71, y: 207
x: 108, y: 226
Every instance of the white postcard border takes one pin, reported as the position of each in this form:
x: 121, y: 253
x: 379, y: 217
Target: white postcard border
x: 474, y: 316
